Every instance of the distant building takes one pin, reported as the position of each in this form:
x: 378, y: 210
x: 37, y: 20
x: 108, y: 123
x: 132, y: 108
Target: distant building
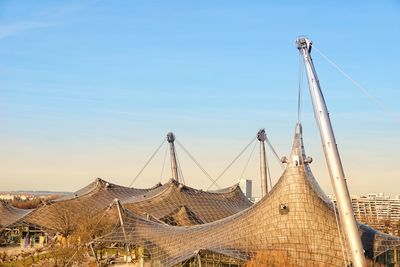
x: 24, y: 196
x: 377, y: 210
x: 246, y: 186
x: 6, y: 196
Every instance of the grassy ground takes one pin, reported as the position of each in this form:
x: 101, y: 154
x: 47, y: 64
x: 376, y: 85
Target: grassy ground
x: 29, y: 260
x: 25, y: 262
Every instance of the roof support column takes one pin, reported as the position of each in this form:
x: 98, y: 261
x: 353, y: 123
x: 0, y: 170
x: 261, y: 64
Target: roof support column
x: 261, y: 136
x: 121, y: 220
x: 174, y: 165
x: 332, y: 156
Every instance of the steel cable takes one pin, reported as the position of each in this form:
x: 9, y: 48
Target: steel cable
x: 233, y: 161
x: 247, y: 162
x: 274, y: 152
x: 147, y: 163
x: 377, y: 101
x: 196, y: 162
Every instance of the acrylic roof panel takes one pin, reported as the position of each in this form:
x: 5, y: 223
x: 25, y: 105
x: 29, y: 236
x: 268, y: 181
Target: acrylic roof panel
x: 295, y: 218
x: 83, y: 191
x: 198, y: 205
x: 181, y: 216
x: 10, y: 214
x: 85, y: 202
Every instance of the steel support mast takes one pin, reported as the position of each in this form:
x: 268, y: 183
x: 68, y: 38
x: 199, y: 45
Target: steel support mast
x: 172, y: 153
x: 121, y: 220
x: 338, y: 180
x: 261, y: 136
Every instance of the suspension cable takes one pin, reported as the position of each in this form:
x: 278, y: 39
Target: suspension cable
x: 340, y: 234
x: 268, y: 173
x: 163, y: 166
x: 377, y: 101
x: 248, y: 160
x: 180, y: 172
x: 300, y: 85
x: 196, y: 162
x: 274, y: 152
x: 147, y: 163
x: 233, y: 161
x: 70, y: 259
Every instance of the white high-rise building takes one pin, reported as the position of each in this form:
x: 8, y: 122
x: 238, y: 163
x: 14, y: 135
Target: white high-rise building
x: 377, y: 210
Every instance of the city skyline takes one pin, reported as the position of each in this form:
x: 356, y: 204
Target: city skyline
x: 90, y: 89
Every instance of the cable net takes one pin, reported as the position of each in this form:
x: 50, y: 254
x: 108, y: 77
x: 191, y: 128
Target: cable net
x: 178, y: 204
x: 63, y: 215
x: 176, y: 225
x: 296, y: 221
x: 10, y: 214
x: 172, y: 203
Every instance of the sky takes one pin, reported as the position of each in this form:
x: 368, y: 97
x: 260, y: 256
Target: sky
x: 91, y: 88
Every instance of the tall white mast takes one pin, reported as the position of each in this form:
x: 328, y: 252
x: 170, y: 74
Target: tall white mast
x: 174, y: 165
x: 261, y: 136
x: 332, y: 156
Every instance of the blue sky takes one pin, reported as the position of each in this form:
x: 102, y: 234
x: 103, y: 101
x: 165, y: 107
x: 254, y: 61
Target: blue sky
x: 90, y: 88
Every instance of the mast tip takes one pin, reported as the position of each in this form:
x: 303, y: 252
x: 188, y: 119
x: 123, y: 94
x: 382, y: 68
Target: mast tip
x: 303, y: 42
x: 261, y: 135
x: 170, y: 137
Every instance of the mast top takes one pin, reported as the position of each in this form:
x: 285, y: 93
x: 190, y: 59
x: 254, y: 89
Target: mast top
x: 170, y: 137
x: 261, y: 135
x: 299, y: 128
x: 303, y: 42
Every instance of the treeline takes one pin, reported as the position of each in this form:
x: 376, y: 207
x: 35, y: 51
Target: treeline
x: 32, y: 203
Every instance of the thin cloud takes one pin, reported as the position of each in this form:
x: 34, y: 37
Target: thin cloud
x: 18, y: 27
x: 51, y: 15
